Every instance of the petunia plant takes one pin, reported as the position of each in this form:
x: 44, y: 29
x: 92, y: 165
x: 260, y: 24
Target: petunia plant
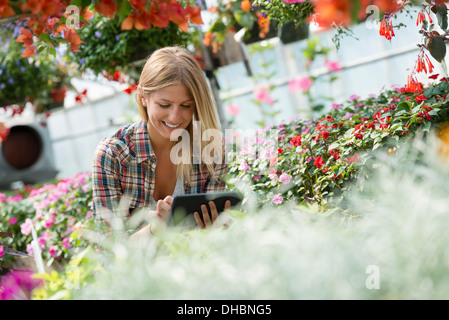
x: 58, y: 211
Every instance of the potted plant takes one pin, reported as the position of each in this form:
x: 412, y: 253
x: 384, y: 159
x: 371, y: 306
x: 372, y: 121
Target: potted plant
x: 106, y: 48
x: 41, y: 80
x: 233, y: 16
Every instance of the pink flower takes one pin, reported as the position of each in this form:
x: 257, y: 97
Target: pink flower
x: 30, y: 249
x: 244, y: 166
x: 233, y: 109
x: 50, y: 221
x: 2, y: 197
x: 294, y: 1
x: 285, y: 178
x: 333, y: 66
x: 273, y: 176
x: 66, y: 243
x: 2, y: 252
x: 13, y: 220
x: 335, y: 105
x: 277, y: 199
x: 18, y: 285
x: 52, y: 250
x: 302, y: 83
x: 261, y: 95
x: 25, y: 227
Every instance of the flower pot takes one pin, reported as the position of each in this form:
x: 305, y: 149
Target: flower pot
x: 289, y: 33
x: 253, y: 35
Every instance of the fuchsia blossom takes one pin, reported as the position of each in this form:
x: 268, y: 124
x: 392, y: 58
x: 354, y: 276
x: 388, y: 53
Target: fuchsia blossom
x: 294, y: 1
x: 2, y: 252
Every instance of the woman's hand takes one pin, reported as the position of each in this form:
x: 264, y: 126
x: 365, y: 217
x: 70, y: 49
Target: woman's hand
x: 163, y: 208
x: 209, y: 219
x: 162, y: 212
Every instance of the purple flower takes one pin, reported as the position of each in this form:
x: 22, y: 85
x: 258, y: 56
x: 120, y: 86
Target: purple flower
x: 98, y: 34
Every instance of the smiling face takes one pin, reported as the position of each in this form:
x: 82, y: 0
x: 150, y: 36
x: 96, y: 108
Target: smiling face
x: 168, y: 109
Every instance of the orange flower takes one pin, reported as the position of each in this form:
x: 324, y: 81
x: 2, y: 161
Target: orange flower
x: 29, y: 51
x: 5, y: 9
x: 207, y: 38
x: 26, y: 37
x: 328, y: 12
x: 389, y: 5
x: 264, y: 25
x: 107, y: 8
x: 74, y: 39
x: 245, y: 5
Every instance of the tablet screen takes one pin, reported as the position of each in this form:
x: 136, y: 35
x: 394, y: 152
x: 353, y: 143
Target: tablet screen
x: 185, y: 205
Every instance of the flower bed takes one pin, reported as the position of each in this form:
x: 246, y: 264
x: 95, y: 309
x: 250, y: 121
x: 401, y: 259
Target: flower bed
x: 58, y: 211
x: 315, y: 161
x: 310, y: 162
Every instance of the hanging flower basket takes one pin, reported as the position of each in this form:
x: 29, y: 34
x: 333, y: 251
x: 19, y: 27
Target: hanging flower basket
x: 106, y: 48
x: 289, y: 33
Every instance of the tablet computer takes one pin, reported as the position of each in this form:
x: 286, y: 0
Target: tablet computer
x: 185, y: 205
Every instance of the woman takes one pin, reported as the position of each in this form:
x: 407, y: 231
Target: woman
x: 138, y: 162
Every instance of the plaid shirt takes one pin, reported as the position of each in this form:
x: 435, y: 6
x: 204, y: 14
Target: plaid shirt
x: 124, y: 165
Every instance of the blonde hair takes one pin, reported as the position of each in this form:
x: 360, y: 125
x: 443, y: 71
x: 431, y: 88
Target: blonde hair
x: 173, y: 66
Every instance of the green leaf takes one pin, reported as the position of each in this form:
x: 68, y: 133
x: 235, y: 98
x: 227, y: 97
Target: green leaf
x: 426, y: 126
x: 244, y: 19
x: 437, y: 48
x: 124, y: 9
x: 441, y: 12
x: 404, y: 105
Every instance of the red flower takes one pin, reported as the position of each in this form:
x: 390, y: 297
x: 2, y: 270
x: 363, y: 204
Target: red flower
x: 280, y: 150
x: 318, y: 162
x: 383, y: 125
x: 296, y: 141
x: 335, y: 154
x: 413, y: 85
x: 354, y: 159
x: 421, y: 98
x: 358, y: 135
x: 80, y: 97
x: 324, y: 134
x: 386, y: 27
